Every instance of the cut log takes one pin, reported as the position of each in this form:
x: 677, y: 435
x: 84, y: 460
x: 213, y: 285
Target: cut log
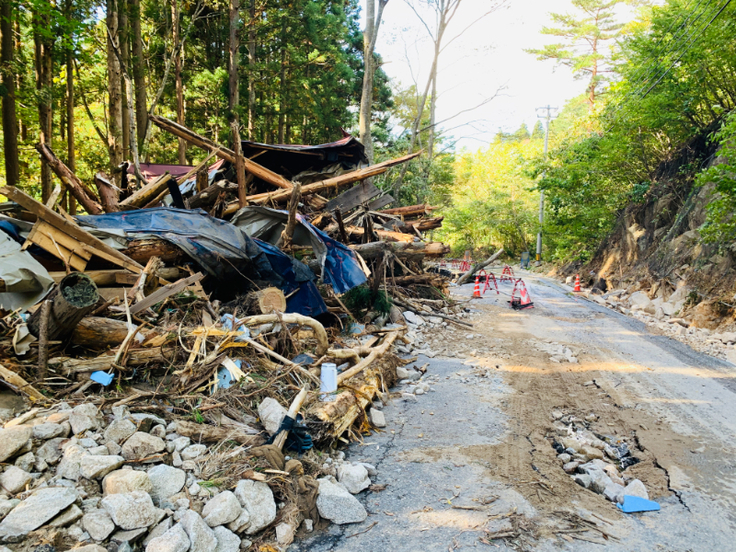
x: 76, y: 187
x: 385, y: 235
x: 208, y: 196
x: 96, y: 332
x: 74, y: 298
x: 422, y: 225
x: 436, y: 249
x: 428, y: 279
x: 331, y: 183
x: 403, y: 250
x: 266, y: 301
x: 465, y: 277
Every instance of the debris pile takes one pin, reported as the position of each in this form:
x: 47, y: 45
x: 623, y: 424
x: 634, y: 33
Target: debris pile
x: 596, y: 462
x: 172, y: 344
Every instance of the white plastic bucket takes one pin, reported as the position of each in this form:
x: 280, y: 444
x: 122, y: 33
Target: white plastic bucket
x: 328, y: 382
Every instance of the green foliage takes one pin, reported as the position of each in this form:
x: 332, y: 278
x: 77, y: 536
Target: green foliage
x: 721, y: 223
x: 362, y: 299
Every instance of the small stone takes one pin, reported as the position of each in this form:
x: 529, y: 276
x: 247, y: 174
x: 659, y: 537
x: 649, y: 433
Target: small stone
x: 50, y: 452
x: 308, y: 525
x: 592, y: 452
x: 142, y: 445
x: 227, y: 541
x: 98, y: 524
x: 125, y: 481
x: 159, y: 530
x: 158, y: 431
x: 335, y: 503
x: 564, y: 457
x: 173, y: 540
x: 221, y: 509
x: 614, y: 492
x: 201, y: 536
x: 47, y: 431
x: 353, y: 477
x: 582, y: 479
x: 15, y: 479
x: 166, y: 481
x: 119, y: 430
x: 70, y: 465
x: 180, y: 443
x: 129, y: 537
x: 636, y: 488
x: 370, y: 468
x: 378, y: 418
x: 6, y: 506
x: 132, y: 510
x: 83, y: 418
x: 556, y: 414
x: 570, y: 467
x: 113, y: 448
x: 92, y: 548
x: 13, y: 440
x: 87, y: 443
x: 95, y: 467
x: 257, y: 499
x: 284, y: 534
x: 44, y: 504
x: 99, y: 451
x: 271, y: 414
x: 67, y: 517
x: 192, y: 452
x: 26, y: 461
x: 176, y: 460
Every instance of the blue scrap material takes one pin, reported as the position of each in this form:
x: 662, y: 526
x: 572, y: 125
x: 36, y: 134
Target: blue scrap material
x: 101, y: 377
x: 223, y: 250
x: 224, y: 377
x: 633, y: 504
x: 229, y: 322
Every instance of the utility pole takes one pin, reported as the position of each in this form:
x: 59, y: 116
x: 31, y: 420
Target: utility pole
x: 547, y: 115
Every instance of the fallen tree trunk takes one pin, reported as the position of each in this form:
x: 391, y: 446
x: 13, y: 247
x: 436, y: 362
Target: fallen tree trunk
x: 428, y: 279
x: 476, y: 267
x: 293, y: 318
x: 410, y: 210
x: 385, y: 235
x: 222, y: 152
x: 376, y: 353
x: 265, y: 301
x: 147, y: 193
x: 142, y: 250
x: 76, y: 187
x: 212, y: 434
x: 73, y: 299
x: 96, y: 332
x: 421, y: 225
x: 109, y: 193
x: 436, y: 249
x: 403, y: 250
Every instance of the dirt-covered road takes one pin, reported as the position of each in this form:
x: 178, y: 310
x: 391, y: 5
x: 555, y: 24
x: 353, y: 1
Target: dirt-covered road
x: 471, y: 464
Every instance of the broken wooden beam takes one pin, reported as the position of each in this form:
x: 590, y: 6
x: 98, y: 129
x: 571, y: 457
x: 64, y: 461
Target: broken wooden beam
x: 18, y: 383
x: 92, y: 244
x: 410, y: 210
x: 147, y: 193
x: 166, y: 291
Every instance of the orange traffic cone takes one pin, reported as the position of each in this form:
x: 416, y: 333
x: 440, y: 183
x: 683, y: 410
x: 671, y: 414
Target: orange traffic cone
x: 476, y: 290
x: 577, y: 283
x: 524, y: 301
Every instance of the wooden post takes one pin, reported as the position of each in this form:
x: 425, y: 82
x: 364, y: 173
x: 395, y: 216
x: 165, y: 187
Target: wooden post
x: 239, y: 166
x: 43, y: 340
x: 288, y: 232
x: 341, y: 227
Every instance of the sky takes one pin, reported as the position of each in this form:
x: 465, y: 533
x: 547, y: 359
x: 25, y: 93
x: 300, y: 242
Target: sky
x: 485, y: 58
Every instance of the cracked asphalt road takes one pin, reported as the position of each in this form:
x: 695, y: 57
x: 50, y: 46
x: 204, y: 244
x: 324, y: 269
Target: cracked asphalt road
x: 458, y: 460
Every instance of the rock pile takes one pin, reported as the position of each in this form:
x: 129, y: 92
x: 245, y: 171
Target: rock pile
x: 596, y: 462
x: 124, y: 481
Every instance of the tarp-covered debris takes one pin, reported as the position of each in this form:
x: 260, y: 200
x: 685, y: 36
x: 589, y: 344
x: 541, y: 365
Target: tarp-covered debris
x: 23, y: 280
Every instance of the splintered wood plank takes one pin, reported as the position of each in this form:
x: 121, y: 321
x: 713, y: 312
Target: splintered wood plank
x: 350, y: 199
x: 60, y: 245
x: 95, y: 246
x: 380, y: 202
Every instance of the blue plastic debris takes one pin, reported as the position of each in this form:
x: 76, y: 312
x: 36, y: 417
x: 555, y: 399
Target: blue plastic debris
x: 633, y: 504
x: 229, y: 321
x: 303, y: 359
x: 101, y: 377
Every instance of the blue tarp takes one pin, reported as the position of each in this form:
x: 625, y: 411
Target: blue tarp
x: 223, y: 250
x: 340, y: 266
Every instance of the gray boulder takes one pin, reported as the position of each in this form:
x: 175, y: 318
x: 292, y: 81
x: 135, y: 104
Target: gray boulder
x: 335, y: 503
x: 256, y: 497
x: 132, y: 510
x: 142, y: 445
x: 83, y: 418
x: 636, y: 488
x: 98, y: 524
x: 173, y: 540
x: 42, y: 506
x: 95, y: 467
x: 166, y: 481
x: 227, y: 541
x: 50, y: 452
x: 12, y: 440
x: 221, y: 509
x: 70, y: 465
x: 201, y: 536
x: 271, y: 414
x: 47, y: 431
x: 119, y: 430
x: 15, y: 479
x: 353, y: 477
x: 125, y: 481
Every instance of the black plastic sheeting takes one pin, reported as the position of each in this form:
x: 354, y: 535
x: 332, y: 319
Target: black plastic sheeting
x: 225, y: 252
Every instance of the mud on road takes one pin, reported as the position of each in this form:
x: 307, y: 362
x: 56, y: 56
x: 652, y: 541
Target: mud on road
x: 471, y: 463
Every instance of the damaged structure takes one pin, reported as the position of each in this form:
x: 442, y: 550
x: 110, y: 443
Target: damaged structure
x: 181, y: 328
